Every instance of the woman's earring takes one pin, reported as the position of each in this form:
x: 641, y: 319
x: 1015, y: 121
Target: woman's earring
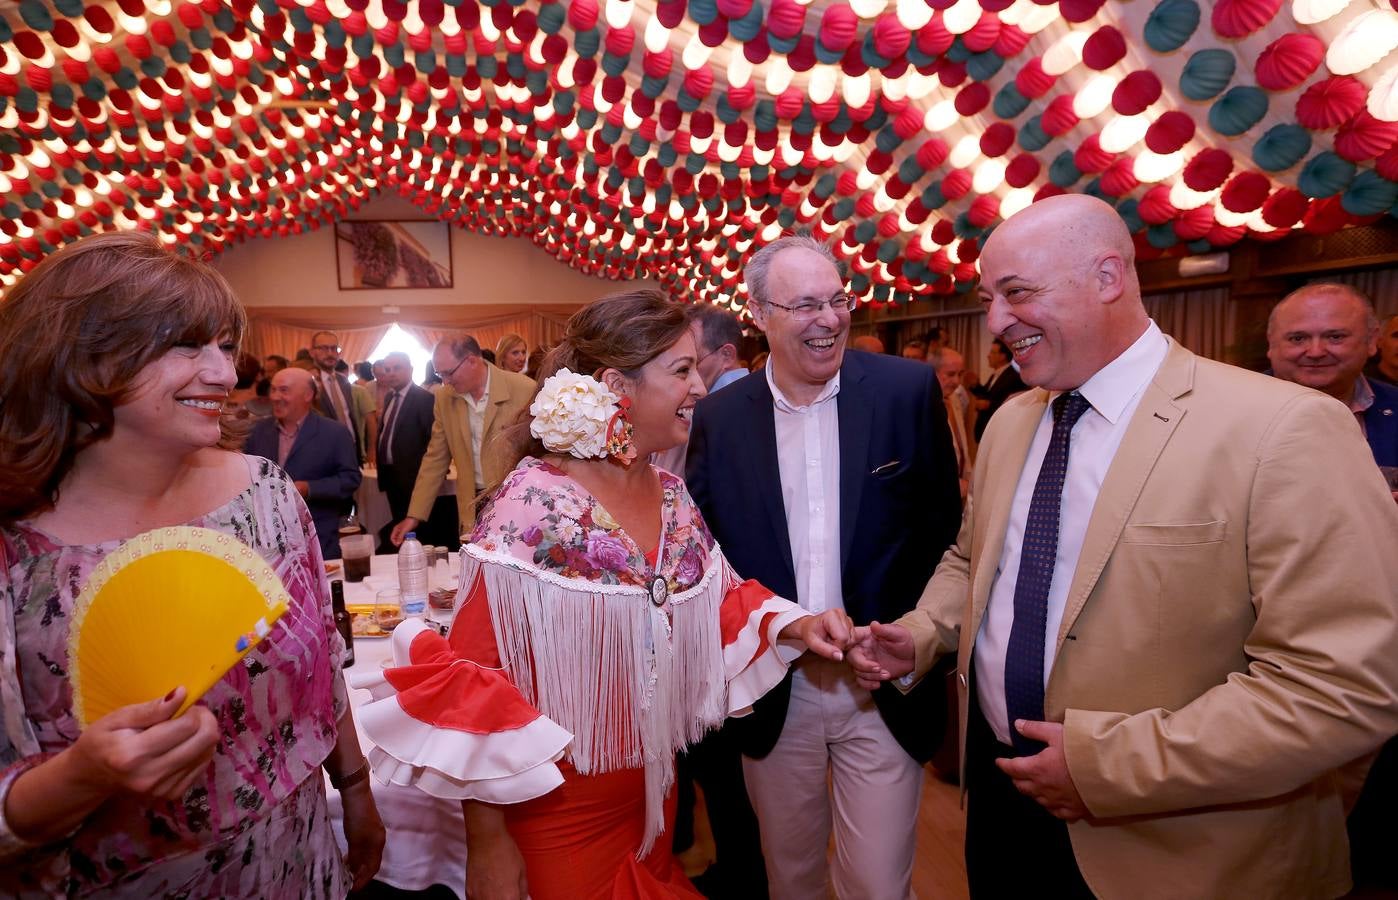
x: 619, y: 445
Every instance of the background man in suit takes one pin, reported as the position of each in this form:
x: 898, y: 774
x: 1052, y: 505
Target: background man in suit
x: 1171, y: 637
x: 1004, y: 382
x: 830, y: 478
x: 476, y: 405
x: 949, y: 364
x: 403, y: 439
x: 1320, y: 336
x: 317, y: 453
x: 335, y: 398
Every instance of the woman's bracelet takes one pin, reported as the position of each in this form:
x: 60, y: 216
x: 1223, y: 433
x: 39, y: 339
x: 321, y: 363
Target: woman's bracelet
x: 339, y: 783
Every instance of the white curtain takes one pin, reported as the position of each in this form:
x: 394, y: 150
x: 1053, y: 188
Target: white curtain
x: 1380, y: 284
x: 1202, y: 320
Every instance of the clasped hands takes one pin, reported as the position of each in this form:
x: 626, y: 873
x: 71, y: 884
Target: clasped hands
x: 878, y: 653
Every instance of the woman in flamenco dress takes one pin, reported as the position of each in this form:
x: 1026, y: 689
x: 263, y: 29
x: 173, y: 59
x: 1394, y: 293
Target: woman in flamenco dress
x: 598, y: 630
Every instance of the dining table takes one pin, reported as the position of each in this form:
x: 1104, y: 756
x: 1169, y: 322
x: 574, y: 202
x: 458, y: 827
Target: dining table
x: 425, y: 841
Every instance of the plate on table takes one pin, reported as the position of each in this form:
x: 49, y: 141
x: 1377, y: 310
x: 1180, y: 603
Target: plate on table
x: 363, y: 624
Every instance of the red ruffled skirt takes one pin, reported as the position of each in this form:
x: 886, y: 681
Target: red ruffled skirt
x: 579, y: 841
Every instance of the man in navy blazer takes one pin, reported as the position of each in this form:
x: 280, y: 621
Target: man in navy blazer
x: 404, y: 433
x: 317, y: 453
x: 830, y: 477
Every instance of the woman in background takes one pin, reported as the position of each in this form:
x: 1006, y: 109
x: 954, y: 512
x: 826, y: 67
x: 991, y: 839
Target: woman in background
x: 511, y: 354
x: 118, y: 360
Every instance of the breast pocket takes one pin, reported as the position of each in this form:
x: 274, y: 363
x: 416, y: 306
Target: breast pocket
x: 1173, y: 534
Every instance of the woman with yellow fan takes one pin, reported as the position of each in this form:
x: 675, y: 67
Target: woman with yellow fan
x: 170, y: 682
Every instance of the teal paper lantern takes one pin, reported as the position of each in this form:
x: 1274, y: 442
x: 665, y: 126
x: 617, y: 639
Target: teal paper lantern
x: 1238, y: 110
x: 1063, y: 171
x: 1009, y: 102
x: 984, y: 66
x: 1370, y: 194
x: 1282, y: 147
x: 1170, y: 24
x: 1325, y: 175
x: 1207, y: 73
x: 1032, y: 136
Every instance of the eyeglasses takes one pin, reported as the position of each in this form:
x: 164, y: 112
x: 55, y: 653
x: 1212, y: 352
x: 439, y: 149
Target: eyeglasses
x: 332, y: 348
x: 842, y: 302
x: 444, y: 374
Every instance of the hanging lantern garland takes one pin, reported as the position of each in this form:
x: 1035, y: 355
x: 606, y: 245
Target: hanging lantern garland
x: 632, y: 138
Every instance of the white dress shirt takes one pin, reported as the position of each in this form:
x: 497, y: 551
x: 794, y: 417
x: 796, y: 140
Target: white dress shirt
x: 476, y: 416
x: 1114, y: 392
x: 808, y: 462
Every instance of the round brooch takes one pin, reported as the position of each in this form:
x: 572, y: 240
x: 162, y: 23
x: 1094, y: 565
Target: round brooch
x: 659, y: 590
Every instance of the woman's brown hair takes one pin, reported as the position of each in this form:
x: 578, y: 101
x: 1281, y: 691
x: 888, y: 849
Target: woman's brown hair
x: 621, y: 331
x: 74, y: 335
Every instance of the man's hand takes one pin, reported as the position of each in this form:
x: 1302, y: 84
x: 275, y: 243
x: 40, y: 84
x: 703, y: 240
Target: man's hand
x: 825, y: 635
x: 1044, y: 776
x: 401, y: 530
x: 303, y: 488
x: 881, y: 652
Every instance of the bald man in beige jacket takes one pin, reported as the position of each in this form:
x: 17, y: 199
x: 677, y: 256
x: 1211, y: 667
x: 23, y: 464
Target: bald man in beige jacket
x: 1220, y: 639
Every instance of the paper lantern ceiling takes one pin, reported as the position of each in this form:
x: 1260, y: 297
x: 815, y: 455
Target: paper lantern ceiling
x: 631, y: 138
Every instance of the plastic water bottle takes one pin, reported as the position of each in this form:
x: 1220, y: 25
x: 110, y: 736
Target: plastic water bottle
x: 412, y: 576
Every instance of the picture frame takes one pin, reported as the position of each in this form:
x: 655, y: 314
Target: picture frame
x: 393, y: 254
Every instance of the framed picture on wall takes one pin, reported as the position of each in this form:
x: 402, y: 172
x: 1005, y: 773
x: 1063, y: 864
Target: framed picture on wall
x: 372, y: 255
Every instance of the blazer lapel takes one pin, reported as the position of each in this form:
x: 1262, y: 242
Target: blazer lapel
x: 499, y: 396
x: 1154, y: 421
x: 765, y: 470
x: 856, y: 415
x: 1015, y: 426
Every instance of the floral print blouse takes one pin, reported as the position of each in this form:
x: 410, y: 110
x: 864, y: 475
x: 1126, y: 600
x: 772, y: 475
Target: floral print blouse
x: 258, y: 815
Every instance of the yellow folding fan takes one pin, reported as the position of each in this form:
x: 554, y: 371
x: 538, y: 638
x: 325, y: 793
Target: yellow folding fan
x: 171, y: 607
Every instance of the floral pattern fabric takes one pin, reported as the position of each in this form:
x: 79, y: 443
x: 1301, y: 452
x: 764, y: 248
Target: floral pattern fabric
x: 544, y: 517
x: 256, y: 825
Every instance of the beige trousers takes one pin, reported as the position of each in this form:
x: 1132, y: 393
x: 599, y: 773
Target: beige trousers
x: 835, y: 764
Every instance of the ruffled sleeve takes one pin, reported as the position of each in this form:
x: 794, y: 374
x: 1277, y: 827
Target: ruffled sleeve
x: 755, y: 659
x: 448, y: 720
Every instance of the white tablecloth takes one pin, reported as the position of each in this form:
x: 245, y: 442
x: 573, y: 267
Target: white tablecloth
x: 372, y: 503
x: 426, y: 836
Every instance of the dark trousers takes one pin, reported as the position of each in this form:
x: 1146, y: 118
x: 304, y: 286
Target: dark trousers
x: 715, y: 764
x: 1373, y: 816
x: 440, y: 529
x: 1014, y: 848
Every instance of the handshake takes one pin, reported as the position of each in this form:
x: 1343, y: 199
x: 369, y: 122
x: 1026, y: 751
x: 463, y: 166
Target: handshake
x: 876, y: 652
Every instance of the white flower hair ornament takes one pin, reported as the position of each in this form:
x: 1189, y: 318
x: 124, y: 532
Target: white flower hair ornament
x: 578, y: 415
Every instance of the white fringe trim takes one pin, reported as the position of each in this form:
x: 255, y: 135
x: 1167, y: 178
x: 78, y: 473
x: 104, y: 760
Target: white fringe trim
x: 632, y: 685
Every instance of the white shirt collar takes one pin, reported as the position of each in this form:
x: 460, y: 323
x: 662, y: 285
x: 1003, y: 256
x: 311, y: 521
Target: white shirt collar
x: 832, y: 387
x: 1114, y: 385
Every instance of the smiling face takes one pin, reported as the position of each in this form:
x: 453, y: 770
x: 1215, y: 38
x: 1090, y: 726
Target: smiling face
x: 805, y: 352
x: 662, y: 396
x: 292, y: 393
x: 177, y: 400
x: 1060, y: 290
x: 1321, y: 338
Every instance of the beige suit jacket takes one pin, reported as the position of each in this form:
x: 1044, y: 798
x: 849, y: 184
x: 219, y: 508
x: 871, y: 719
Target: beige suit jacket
x: 510, y: 395
x: 1230, y: 639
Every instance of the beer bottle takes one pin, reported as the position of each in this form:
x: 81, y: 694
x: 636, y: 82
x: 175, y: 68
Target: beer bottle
x: 342, y: 619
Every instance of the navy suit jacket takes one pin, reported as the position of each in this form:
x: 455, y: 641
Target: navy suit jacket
x: 323, y: 456
x: 412, y: 430
x: 1381, y: 423
x: 900, y: 508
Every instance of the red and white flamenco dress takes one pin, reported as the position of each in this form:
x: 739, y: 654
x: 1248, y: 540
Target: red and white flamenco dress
x: 575, y: 668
